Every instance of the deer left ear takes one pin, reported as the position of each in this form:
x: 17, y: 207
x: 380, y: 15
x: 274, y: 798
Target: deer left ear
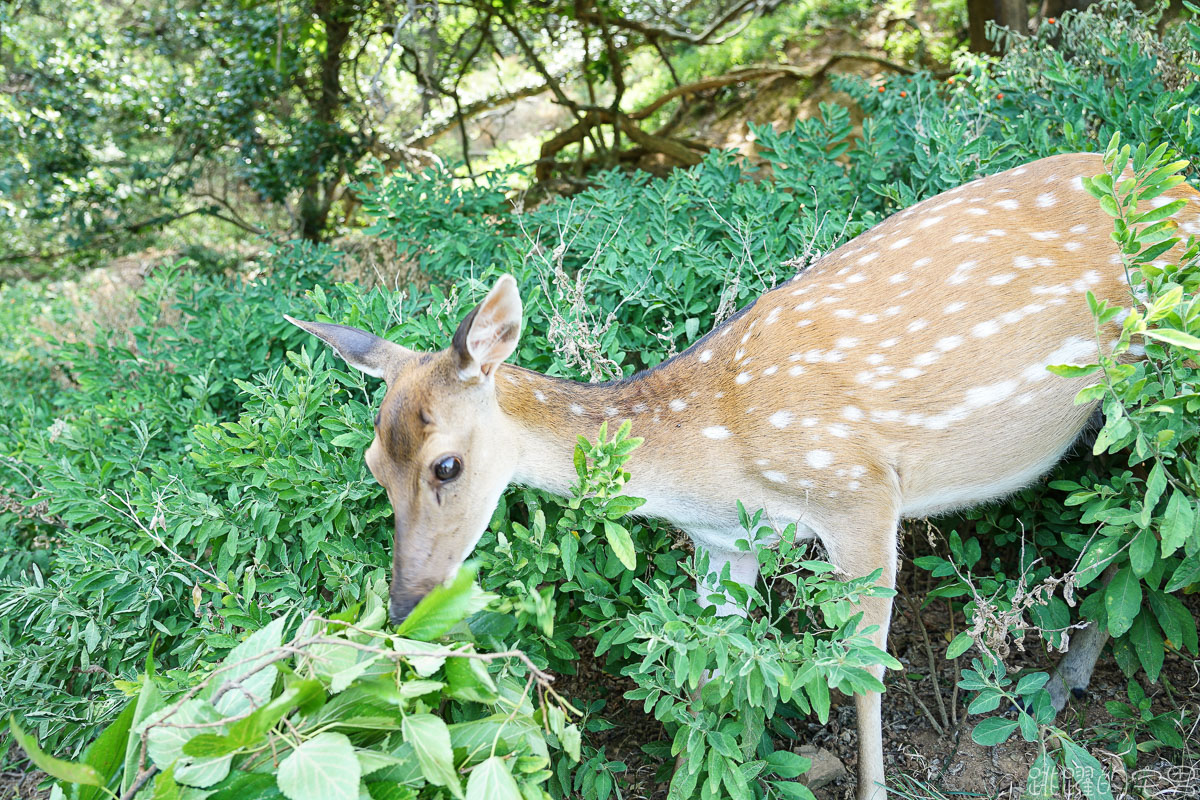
x: 489, y: 334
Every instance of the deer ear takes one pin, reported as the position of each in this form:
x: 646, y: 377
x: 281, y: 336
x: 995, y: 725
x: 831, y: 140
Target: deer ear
x: 490, y: 332
x: 364, y: 351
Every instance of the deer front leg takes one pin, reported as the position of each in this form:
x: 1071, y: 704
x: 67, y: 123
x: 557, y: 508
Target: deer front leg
x: 743, y: 569
x: 857, y: 548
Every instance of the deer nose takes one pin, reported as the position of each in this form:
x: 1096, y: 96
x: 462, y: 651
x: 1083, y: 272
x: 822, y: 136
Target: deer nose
x: 401, y: 605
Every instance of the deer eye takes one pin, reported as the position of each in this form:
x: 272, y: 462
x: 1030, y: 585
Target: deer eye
x: 447, y: 469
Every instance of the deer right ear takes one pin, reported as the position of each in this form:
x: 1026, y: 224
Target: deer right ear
x: 364, y: 351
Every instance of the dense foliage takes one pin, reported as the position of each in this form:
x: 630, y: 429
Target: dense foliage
x: 177, y: 486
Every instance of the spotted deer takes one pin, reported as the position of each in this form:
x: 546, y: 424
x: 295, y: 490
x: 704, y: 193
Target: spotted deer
x: 902, y: 375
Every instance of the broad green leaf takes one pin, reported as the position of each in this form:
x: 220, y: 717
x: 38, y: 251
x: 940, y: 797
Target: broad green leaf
x: 247, y: 683
x: 171, y: 728
x: 788, y: 765
x: 1148, y: 644
x: 444, y: 607
x: 1087, y: 771
x: 993, y: 731
x: 1177, y: 523
x: 107, y: 752
x: 323, y: 768
x: 1174, y: 337
x: 430, y: 740
x: 491, y: 780
x: 165, y: 787
x: 68, y: 771
x: 622, y: 544
x: 1123, y: 601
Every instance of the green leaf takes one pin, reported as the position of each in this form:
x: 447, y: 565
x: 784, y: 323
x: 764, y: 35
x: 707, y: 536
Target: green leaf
x: 446, y: 606
x: 1143, y: 552
x: 165, y: 787
x: 793, y: 790
x: 247, y: 685
x: 68, y: 771
x: 430, y: 740
x: 1122, y: 601
x: 993, y: 731
x: 107, y: 753
x: 1086, y: 770
x: 1177, y: 522
x: 491, y: 780
x: 1148, y: 644
x: 1042, y: 782
x: 1174, y: 337
x: 788, y: 765
x: 322, y: 768
x: 622, y: 543
x: 959, y: 645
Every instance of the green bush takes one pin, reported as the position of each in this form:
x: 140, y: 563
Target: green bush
x: 181, y: 486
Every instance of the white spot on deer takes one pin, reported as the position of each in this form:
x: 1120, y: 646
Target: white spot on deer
x: 819, y: 459
x: 1077, y: 183
x: 678, y: 404
x: 961, y: 273
x: 780, y: 419
x: 1045, y: 236
x: 990, y: 395
x: 1073, y: 246
x: 1000, y: 280
x: 857, y: 277
x: 954, y: 308
x: 576, y: 408
x: 809, y: 422
x: 857, y: 471
x: 868, y: 258
x: 770, y: 370
x: 1008, y: 205
x: 985, y: 329
x: 997, y: 232
x: 743, y: 378
x: 839, y: 430
x: 1084, y: 228
x: 774, y: 477
x: 875, y: 359
x: 854, y: 486
x: 844, y: 313
x: 977, y: 211
x: 868, y: 318
x: 922, y: 262
x: 540, y: 395
x: 611, y: 412
x: 851, y: 413
x: 739, y: 355
x: 804, y: 323
x: 796, y: 370
x: 1047, y: 200
x: 926, y: 358
x: 902, y: 242
x: 638, y: 408
x: 889, y: 342
x: 805, y: 483
x: 718, y: 395
x: 774, y: 315
x: 746, y: 338
x: 948, y: 343
x: 1024, y: 262
x: 761, y: 462
x: 705, y: 356
x: 911, y: 372
x: 917, y: 325
x: 929, y: 222
x: 899, y: 277
x: 716, y: 432
x: 847, y: 342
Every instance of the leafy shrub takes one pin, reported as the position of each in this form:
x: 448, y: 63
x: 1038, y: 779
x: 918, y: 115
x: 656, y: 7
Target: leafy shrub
x: 203, y: 474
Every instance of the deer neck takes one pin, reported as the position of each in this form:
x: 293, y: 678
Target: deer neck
x: 547, y: 415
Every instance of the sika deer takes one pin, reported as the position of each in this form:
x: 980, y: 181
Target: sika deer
x: 902, y: 375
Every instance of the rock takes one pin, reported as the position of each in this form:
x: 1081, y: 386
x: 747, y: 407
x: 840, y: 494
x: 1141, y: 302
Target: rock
x: 826, y: 768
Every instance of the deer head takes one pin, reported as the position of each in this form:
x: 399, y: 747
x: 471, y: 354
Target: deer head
x: 439, y: 450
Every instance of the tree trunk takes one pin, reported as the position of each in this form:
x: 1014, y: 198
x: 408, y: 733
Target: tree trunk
x: 1012, y: 14
x: 320, y: 186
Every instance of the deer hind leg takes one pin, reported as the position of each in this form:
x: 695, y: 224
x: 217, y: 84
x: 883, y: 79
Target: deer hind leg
x: 857, y: 547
